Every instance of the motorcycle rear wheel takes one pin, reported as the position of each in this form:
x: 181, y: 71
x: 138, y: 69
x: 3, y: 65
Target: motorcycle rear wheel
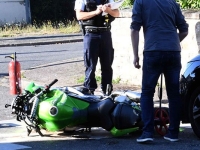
x: 161, y: 120
x: 194, y: 111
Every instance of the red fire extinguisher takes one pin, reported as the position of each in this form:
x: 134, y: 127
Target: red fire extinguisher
x: 14, y: 75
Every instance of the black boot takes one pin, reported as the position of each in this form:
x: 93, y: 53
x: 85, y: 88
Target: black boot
x: 109, y: 89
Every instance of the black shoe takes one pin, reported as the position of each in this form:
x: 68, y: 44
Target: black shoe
x: 145, y: 137
x: 170, y: 137
x: 91, y: 92
x: 109, y: 89
x: 106, y: 91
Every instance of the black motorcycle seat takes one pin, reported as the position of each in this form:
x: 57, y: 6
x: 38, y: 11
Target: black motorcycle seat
x: 99, y: 114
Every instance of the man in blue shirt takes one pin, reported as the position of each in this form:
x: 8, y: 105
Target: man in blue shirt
x: 160, y: 21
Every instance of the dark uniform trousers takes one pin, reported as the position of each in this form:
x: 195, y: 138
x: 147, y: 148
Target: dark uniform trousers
x: 98, y: 45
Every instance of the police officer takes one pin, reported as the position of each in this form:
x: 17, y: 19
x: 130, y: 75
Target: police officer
x: 95, y: 17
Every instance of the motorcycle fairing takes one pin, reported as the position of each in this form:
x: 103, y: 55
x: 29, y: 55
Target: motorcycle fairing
x: 58, y: 110
x: 118, y: 132
x: 32, y: 87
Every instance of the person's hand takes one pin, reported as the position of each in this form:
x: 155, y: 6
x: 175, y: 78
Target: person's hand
x: 98, y: 10
x: 106, y: 8
x: 136, y: 62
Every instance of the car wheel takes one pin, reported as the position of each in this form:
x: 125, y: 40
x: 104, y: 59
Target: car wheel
x: 194, y: 111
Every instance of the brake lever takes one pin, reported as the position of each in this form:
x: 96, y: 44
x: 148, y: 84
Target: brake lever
x: 7, y: 105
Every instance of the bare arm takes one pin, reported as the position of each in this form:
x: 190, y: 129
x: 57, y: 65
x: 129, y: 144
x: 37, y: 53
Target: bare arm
x: 81, y: 15
x: 135, y: 43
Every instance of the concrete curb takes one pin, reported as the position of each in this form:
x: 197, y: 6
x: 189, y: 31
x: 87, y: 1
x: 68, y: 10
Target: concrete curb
x: 41, y: 43
x: 31, y: 40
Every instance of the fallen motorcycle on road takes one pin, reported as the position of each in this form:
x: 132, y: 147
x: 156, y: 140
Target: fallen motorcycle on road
x: 56, y: 109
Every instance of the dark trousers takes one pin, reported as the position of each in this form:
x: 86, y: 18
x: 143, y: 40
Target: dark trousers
x: 98, y: 45
x: 155, y: 63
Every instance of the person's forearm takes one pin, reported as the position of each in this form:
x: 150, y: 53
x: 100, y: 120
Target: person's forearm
x: 135, y: 41
x: 182, y: 35
x: 81, y: 15
x: 114, y: 13
x: 85, y: 15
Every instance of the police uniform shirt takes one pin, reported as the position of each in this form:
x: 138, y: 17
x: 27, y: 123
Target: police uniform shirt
x: 80, y: 4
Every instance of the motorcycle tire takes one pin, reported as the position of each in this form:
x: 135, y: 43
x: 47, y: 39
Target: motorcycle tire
x: 194, y: 111
x: 161, y: 122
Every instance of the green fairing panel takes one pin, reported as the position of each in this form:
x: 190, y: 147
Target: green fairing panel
x: 31, y: 87
x: 117, y: 132
x: 70, y: 111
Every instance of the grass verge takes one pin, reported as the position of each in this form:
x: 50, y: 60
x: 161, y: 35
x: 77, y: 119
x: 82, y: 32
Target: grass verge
x: 24, y: 30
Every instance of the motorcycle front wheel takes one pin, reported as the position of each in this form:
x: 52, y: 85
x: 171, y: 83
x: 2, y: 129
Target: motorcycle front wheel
x: 194, y: 111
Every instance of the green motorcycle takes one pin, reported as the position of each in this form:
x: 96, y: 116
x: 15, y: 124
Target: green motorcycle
x: 55, y: 109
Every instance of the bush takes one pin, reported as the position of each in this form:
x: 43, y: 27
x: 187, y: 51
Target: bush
x: 185, y: 4
x: 127, y: 4
x: 189, y: 4
x: 55, y: 11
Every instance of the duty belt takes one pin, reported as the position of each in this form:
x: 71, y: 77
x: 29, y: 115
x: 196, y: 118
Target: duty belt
x: 92, y: 29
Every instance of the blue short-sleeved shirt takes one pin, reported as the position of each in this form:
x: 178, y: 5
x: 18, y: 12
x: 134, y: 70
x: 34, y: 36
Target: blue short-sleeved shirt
x: 160, y: 20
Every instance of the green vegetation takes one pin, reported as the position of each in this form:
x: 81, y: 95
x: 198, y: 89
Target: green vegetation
x: 185, y: 4
x: 98, y: 79
x: 189, y: 4
x: 81, y: 80
x: 116, y: 81
x: 18, y: 29
x: 127, y: 4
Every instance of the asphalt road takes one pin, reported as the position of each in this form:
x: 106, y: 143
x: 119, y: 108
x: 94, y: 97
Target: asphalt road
x: 32, y: 56
x: 13, y: 136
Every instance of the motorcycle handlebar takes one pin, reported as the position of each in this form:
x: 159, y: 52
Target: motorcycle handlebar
x: 52, y: 83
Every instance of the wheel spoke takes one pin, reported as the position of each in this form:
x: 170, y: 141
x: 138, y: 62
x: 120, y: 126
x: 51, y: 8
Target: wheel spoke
x: 196, y: 109
x: 196, y: 116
